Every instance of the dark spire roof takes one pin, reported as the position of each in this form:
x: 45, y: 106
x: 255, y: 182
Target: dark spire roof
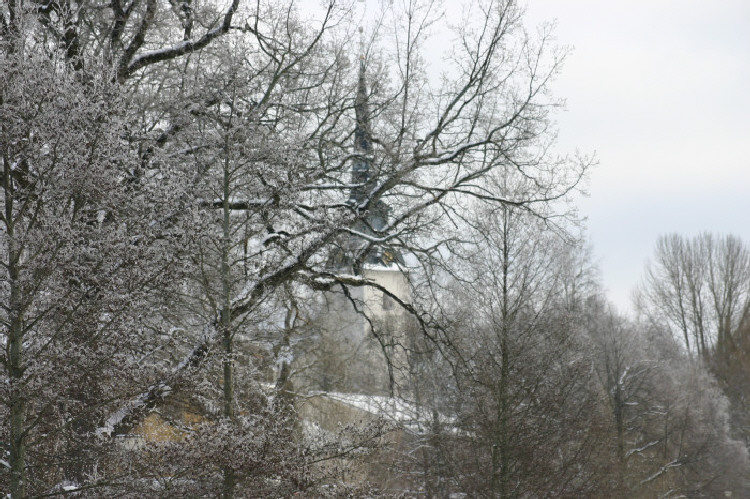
x: 362, y: 139
x: 363, y: 181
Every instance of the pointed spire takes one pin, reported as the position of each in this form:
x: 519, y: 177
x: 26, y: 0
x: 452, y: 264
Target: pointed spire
x: 374, y: 221
x: 362, y: 139
x: 362, y: 131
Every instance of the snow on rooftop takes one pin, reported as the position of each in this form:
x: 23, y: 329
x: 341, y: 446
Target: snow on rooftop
x: 396, y: 410
x: 382, y: 266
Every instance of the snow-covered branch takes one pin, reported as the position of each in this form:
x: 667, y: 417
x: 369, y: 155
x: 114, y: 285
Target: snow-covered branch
x: 132, y: 63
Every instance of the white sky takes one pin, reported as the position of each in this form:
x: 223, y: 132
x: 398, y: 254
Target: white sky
x: 660, y: 91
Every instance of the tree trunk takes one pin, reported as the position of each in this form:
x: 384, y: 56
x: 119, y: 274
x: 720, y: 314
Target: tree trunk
x: 14, y: 353
x: 229, y: 483
x: 17, y: 398
x: 500, y: 451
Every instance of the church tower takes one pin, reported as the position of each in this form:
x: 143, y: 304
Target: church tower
x: 362, y: 329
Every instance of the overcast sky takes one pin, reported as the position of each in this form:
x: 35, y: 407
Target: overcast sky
x: 660, y: 91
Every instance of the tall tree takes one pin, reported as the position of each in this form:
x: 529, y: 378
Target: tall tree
x: 86, y: 249
x: 292, y: 144
x: 512, y: 339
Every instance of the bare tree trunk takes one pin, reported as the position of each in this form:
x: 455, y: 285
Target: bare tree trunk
x: 14, y: 352
x: 15, y: 371
x: 500, y: 456
x: 226, y: 317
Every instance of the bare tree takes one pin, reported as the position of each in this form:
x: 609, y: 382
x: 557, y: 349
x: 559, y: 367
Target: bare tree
x: 85, y: 252
x: 700, y: 288
x: 130, y: 35
x: 427, y: 145
x: 516, y: 357
x: 669, y: 429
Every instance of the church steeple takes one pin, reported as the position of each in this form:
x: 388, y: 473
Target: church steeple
x: 356, y: 250
x: 362, y: 140
x: 362, y: 174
